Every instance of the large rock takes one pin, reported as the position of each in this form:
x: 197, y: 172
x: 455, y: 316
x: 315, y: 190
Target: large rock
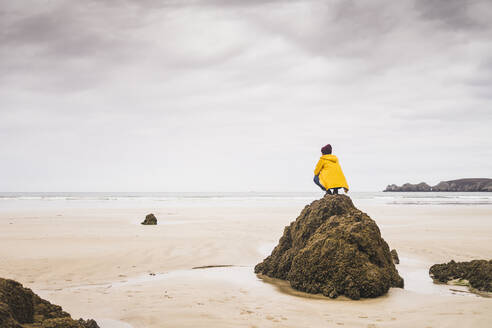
x: 478, y: 273
x: 334, y: 249
x: 150, y: 219
x: 21, y: 308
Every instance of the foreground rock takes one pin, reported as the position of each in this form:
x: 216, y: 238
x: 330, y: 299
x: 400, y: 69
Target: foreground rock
x: 477, y: 273
x: 334, y: 249
x: 21, y: 308
x: 150, y: 219
x: 462, y: 185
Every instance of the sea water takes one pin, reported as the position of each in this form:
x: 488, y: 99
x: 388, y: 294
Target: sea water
x: 33, y: 200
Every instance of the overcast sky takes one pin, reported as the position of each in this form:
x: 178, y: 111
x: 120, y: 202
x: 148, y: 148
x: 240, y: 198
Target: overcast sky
x: 233, y: 95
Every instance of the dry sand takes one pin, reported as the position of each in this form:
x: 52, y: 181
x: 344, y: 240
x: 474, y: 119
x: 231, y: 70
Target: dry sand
x: 97, y: 263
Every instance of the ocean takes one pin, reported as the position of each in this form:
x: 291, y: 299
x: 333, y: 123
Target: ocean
x: 30, y: 200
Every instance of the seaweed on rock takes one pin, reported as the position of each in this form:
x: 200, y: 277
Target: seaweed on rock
x: 477, y: 272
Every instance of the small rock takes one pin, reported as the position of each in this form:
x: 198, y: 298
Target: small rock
x: 88, y: 323
x: 394, y: 256
x: 150, y: 219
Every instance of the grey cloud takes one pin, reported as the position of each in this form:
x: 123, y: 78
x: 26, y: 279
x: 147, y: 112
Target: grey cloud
x: 344, y: 28
x: 75, y: 47
x: 216, y: 3
x: 456, y: 14
x: 60, y: 48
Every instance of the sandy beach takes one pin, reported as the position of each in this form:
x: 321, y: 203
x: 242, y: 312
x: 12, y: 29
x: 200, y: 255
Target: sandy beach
x: 225, y: 119
x: 101, y: 263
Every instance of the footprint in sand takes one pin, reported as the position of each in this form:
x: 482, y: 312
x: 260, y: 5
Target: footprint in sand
x: 272, y: 318
x: 244, y: 311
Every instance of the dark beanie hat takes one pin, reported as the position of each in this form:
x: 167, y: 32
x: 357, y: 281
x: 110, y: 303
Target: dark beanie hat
x: 326, y: 149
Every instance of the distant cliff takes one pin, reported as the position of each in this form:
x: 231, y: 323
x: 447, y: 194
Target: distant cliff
x: 451, y: 185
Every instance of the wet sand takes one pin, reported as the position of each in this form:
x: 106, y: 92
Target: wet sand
x: 101, y: 263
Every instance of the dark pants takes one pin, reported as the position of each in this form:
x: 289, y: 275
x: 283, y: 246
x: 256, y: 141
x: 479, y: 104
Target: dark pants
x: 332, y: 191
x: 316, y: 180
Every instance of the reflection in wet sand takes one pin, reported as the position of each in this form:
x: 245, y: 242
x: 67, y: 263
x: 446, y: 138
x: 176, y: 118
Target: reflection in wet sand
x: 414, y: 272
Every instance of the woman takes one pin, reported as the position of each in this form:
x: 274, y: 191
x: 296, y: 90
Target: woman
x: 328, y: 174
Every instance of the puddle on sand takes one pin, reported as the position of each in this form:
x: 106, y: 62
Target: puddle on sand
x: 236, y: 274
x: 417, y: 279
x: 414, y: 272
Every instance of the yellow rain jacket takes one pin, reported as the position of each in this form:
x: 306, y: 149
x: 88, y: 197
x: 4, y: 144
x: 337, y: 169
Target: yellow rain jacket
x: 330, y: 172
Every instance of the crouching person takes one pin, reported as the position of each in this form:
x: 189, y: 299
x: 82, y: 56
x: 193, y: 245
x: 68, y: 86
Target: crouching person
x: 328, y: 174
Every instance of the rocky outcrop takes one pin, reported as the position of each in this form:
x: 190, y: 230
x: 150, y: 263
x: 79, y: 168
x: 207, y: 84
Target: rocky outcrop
x: 150, y: 219
x: 476, y: 273
x: 462, y: 185
x: 21, y: 308
x: 334, y: 249
x: 409, y: 187
x: 394, y: 256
